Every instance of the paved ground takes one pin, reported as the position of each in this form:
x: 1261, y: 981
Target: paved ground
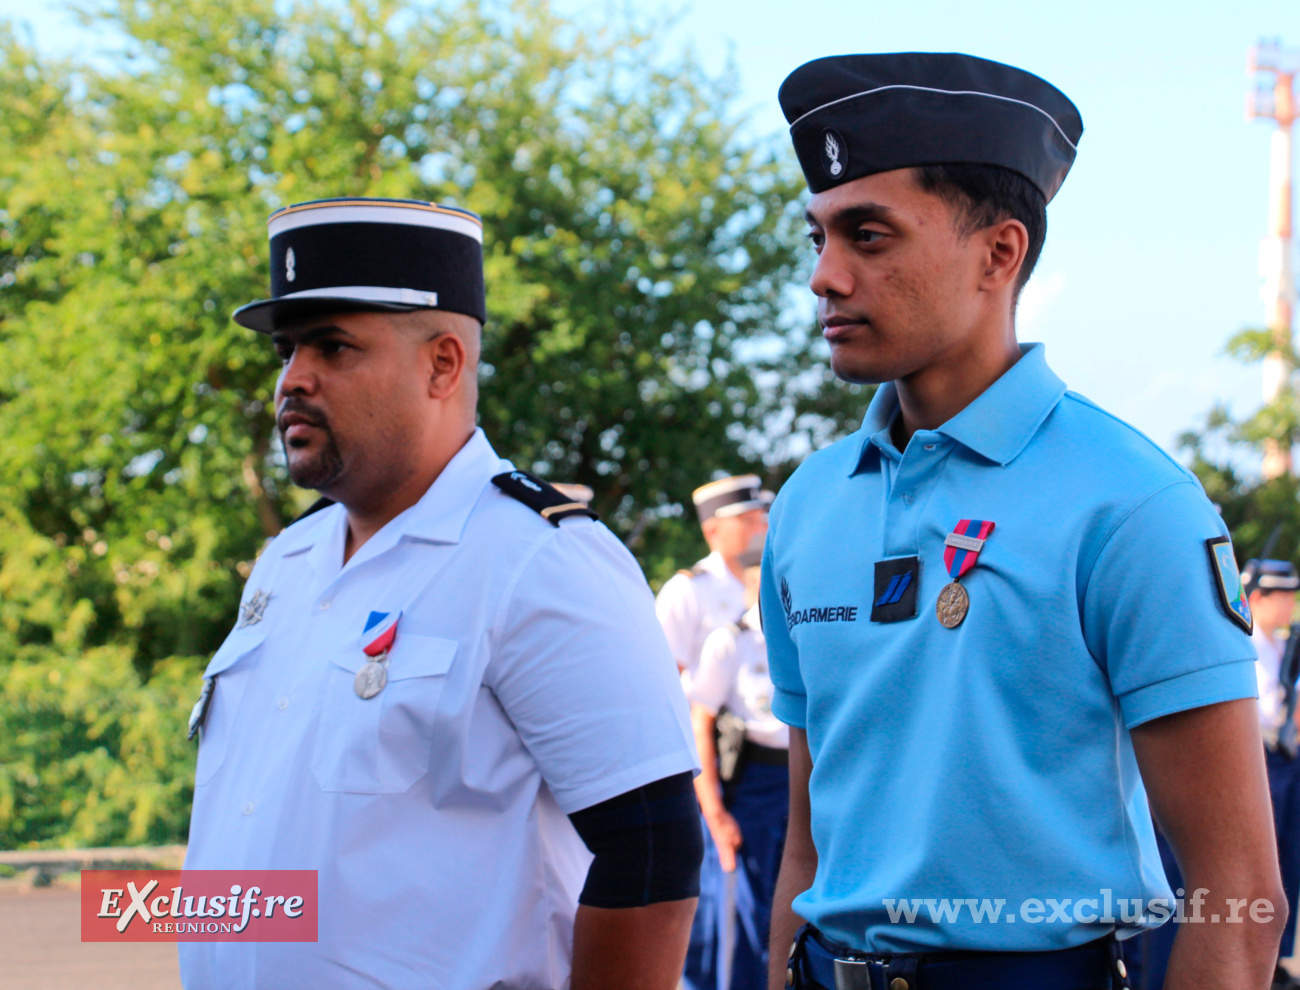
x: 40, y: 943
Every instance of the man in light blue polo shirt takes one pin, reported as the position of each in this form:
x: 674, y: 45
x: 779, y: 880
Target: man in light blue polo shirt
x: 996, y: 612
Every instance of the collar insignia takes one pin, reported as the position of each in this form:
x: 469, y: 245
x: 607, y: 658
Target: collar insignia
x: 254, y: 610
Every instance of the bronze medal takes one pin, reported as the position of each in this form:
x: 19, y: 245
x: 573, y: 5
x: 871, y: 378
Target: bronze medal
x: 952, y: 606
x: 372, y: 678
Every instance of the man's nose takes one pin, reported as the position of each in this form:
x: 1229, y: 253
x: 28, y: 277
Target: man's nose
x: 831, y: 277
x: 297, y: 377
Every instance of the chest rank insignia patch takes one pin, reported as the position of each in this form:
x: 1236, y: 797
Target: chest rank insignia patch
x: 897, y: 581
x: 1232, y: 596
x: 254, y: 610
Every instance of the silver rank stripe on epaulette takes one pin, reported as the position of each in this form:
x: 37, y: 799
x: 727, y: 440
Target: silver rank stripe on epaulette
x: 971, y: 543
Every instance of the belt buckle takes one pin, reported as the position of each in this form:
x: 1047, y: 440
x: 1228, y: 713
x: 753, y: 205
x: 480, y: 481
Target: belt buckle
x: 852, y: 974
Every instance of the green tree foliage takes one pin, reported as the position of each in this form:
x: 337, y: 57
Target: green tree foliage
x: 639, y: 252
x: 1255, y: 511
x: 1260, y: 514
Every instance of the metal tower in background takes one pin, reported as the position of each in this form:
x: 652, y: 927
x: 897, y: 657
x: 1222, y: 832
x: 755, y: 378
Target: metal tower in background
x: 1274, y: 69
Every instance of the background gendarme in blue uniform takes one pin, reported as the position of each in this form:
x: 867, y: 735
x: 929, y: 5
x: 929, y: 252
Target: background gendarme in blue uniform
x: 992, y: 760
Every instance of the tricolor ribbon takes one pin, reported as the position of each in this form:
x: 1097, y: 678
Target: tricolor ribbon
x: 381, y: 630
x: 964, y: 544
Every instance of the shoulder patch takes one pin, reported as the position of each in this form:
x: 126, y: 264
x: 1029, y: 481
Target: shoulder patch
x: 1232, y: 596
x: 692, y: 572
x: 552, y: 504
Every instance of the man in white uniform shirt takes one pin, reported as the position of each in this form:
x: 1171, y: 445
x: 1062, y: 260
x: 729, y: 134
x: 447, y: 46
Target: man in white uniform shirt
x: 690, y: 605
x: 446, y: 692
x: 693, y: 603
x: 746, y: 810
x: 1271, y: 587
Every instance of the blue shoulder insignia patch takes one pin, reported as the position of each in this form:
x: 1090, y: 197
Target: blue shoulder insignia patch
x: 1232, y: 596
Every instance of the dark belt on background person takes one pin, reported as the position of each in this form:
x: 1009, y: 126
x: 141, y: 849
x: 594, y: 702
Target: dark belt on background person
x: 820, y: 963
x: 753, y: 752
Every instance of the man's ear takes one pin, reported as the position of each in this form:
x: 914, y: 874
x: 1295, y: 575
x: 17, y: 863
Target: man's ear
x: 710, y: 529
x: 1006, y: 245
x: 446, y: 361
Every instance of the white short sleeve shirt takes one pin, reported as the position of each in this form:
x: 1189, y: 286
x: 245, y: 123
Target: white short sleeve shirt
x: 690, y: 606
x: 529, y: 679
x: 1267, y: 671
x: 733, y: 673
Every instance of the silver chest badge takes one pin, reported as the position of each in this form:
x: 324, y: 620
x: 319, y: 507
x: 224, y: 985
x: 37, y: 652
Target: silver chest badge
x: 377, y: 640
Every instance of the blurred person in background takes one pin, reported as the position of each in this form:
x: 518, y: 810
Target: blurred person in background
x: 1271, y: 586
x: 691, y: 604
x: 744, y: 794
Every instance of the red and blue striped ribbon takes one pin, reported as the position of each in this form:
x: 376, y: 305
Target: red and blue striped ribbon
x: 959, y: 561
x: 381, y: 630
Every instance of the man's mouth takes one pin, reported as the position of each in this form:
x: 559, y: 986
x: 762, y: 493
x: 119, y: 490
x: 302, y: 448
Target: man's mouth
x: 836, y: 328
x: 296, y: 427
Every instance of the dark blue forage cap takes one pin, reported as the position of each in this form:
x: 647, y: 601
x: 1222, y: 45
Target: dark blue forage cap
x: 340, y: 255
x: 856, y: 115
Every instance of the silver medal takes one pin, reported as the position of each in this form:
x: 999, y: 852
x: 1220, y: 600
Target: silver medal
x: 372, y: 677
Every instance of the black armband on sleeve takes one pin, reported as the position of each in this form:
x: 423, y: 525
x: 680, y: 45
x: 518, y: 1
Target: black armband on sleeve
x: 647, y: 843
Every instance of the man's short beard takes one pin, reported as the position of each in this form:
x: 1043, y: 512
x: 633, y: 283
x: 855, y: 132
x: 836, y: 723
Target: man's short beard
x: 321, y: 471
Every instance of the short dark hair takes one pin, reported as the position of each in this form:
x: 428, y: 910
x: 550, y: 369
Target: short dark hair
x: 982, y: 195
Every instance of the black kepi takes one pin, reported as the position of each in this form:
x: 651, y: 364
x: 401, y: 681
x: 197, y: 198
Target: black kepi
x: 341, y: 255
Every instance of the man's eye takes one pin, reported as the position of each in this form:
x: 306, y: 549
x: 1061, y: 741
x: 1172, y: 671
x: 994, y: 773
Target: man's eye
x: 284, y: 353
x: 817, y: 238
x: 868, y: 236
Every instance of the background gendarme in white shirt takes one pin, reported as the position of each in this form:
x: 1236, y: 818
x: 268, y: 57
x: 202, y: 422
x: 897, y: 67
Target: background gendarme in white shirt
x: 733, y: 672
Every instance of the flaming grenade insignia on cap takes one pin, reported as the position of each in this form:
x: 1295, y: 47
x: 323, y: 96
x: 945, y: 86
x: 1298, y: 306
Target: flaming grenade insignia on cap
x: 833, y: 163
x: 910, y: 109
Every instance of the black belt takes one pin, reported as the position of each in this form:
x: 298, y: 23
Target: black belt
x: 818, y: 963
x: 771, y: 755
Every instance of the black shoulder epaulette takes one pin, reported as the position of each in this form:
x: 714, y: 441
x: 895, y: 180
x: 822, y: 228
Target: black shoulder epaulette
x: 535, y: 493
x: 320, y: 503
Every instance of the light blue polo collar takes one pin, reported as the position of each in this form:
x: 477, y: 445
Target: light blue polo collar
x: 997, y: 425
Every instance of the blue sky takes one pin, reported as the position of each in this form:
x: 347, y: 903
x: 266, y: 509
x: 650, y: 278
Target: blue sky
x: 1152, y: 252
